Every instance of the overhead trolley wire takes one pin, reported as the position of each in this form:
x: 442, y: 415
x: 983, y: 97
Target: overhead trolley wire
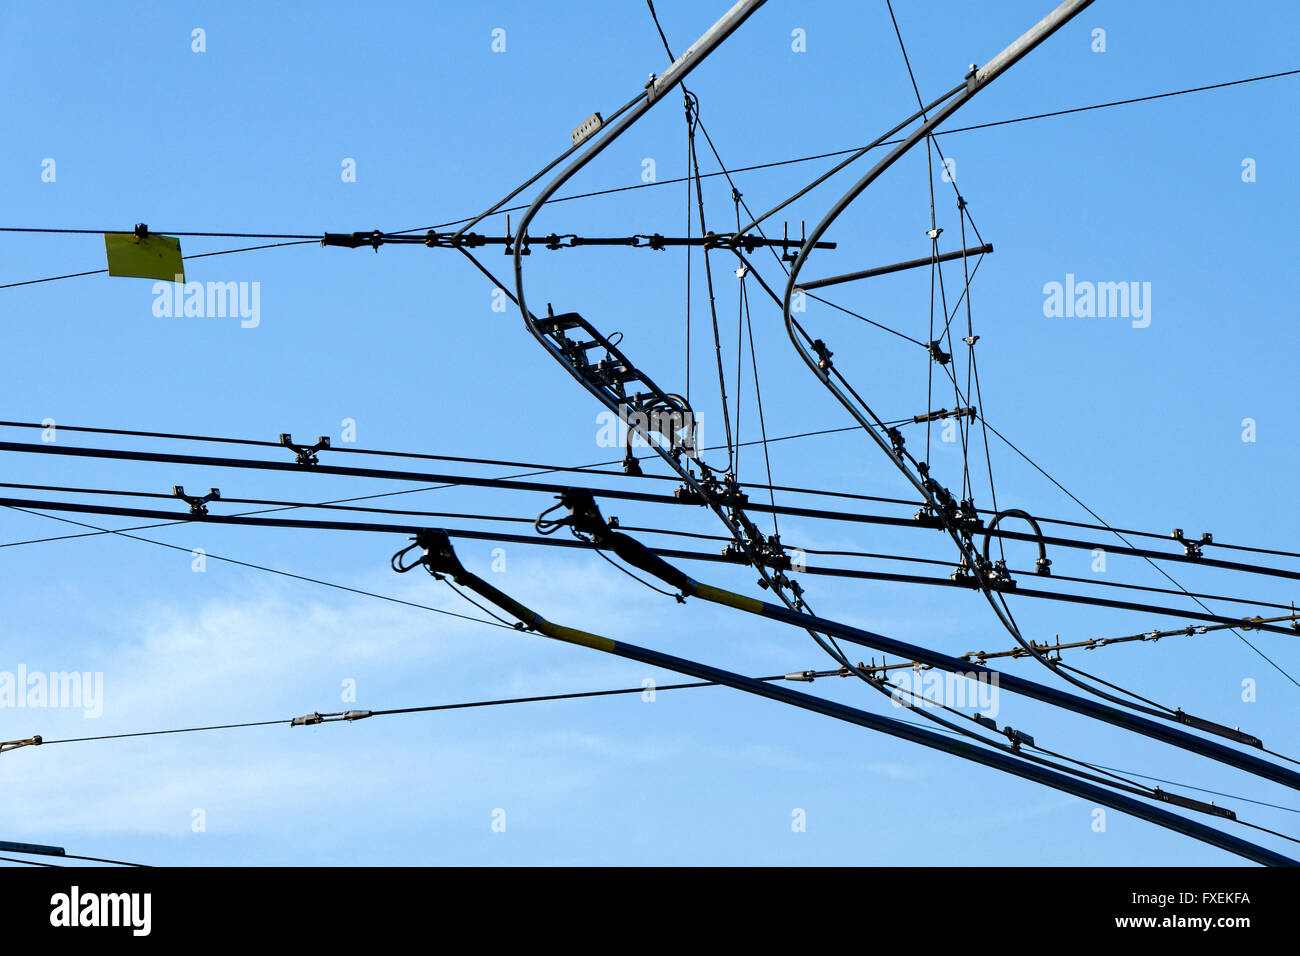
x: 899, y: 649
x: 611, y: 493
x: 125, y: 533
x: 596, y: 468
x: 280, y: 505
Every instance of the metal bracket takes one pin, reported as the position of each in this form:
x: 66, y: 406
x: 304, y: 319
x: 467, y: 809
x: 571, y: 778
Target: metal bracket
x: 786, y: 254
x: 439, y: 555
x: 1192, y: 549
x: 1018, y: 737
x: 509, y: 249
x: 306, y: 454
x: 938, y: 354
x: 198, y: 504
x: 823, y: 355
x: 584, y: 513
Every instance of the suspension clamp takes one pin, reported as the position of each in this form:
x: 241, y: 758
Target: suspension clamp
x: 584, y: 513
x: 961, y: 573
x: 439, y: 556
x: 774, y: 556
x: 1018, y: 737
x: 306, y: 454
x: 716, y: 495
x: 999, y: 576
x: 926, y: 517
x: 1192, y: 549
x: 198, y: 505
x: 736, y: 555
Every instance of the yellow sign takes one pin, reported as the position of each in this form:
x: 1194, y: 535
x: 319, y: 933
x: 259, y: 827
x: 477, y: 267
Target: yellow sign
x: 145, y: 257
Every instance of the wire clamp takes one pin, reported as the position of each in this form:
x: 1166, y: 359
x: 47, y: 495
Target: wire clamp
x: 961, y: 573
x: 631, y: 466
x: 688, y: 496
x: 1192, y: 549
x: 509, y: 249
x: 306, y: 454
x: 737, y: 555
x: 999, y: 576
x: 198, y: 504
x: 439, y: 556
x: 584, y: 514
x: 926, y: 517
x: 938, y: 354
x: 823, y: 355
x: 1017, y: 738
x: 786, y: 254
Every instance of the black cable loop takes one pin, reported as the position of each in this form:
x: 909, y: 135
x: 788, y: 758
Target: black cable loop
x: 1043, y: 564
x: 396, y: 561
x: 545, y: 526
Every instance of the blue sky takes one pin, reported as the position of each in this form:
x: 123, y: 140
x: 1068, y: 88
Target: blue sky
x: 1144, y: 424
